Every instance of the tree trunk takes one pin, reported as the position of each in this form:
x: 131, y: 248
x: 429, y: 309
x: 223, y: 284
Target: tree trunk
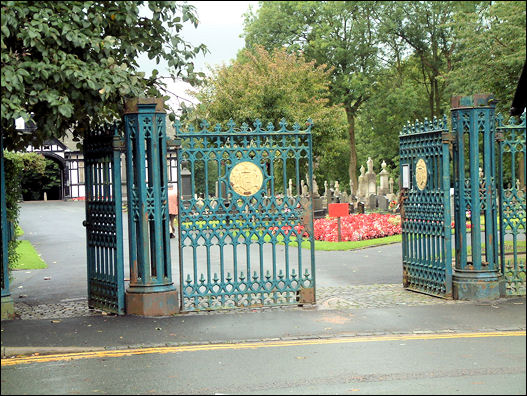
x: 350, y: 113
x: 437, y: 98
x: 431, y: 100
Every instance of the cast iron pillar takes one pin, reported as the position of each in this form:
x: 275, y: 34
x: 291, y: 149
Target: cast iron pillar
x: 151, y: 291
x: 8, y: 307
x: 477, y: 274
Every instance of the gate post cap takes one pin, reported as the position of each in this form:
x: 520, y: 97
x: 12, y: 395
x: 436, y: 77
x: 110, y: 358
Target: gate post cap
x: 132, y: 105
x: 476, y: 100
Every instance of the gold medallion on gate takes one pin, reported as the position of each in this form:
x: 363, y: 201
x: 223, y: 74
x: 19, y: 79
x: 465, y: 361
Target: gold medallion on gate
x: 421, y: 175
x: 246, y: 178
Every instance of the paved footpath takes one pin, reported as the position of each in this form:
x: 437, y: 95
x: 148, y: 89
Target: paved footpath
x: 342, y: 297
x: 99, y: 332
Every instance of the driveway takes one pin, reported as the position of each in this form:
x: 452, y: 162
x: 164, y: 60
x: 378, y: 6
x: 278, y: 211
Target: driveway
x: 55, y: 230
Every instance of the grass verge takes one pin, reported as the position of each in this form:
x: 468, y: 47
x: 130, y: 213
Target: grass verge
x: 350, y: 245
x: 509, y: 248
x: 28, y: 257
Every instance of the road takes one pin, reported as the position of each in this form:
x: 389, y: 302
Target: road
x: 460, y: 363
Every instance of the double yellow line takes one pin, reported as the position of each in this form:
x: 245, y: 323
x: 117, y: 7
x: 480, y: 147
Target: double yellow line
x: 253, y: 345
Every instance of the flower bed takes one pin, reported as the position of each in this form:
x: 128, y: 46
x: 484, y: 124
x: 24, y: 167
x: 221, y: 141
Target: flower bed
x: 357, y: 227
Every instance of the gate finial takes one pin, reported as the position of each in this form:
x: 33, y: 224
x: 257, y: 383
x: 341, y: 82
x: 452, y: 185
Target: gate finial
x: 177, y: 127
x: 204, y: 125
x: 283, y: 124
x: 310, y: 124
x: 231, y: 124
x: 258, y: 125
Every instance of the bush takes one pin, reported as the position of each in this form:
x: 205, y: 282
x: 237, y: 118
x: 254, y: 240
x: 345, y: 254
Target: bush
x: 35, y: 182
x: 15, y: 165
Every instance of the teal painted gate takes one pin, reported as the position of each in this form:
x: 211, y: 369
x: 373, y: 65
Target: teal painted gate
x: 240, y: 216
x: 3, y: 228
x: 104, y: 233
x: 512, y: 194
x: 426, y: 230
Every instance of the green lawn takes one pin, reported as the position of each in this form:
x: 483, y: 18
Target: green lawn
x: 350, y: 245
x: 28, y: 257
x: 509, y: 248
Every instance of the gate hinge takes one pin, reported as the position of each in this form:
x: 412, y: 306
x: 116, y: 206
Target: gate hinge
x: 174, y: 143
x: 499, y: 136
x: 118, y: 143
x: 448, y: 137
x: 305, y: 295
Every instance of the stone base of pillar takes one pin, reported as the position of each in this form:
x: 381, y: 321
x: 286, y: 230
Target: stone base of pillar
x: 163, y: 303
x: 477, y: 285
x: 8, y: 308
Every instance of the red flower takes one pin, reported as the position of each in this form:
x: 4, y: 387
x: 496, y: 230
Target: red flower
x: 358, y: 227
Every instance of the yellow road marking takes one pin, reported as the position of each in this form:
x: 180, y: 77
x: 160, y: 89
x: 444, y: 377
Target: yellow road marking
x: 252, y: 345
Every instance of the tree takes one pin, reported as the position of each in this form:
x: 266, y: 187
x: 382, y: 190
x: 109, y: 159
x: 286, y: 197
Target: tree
x: 271, y: 86
x: 397, y: 98
x: 422, y: 29
x: 491, y: 50
x: 35, y: 183
x: 341, y: 35
x: 72, y: 64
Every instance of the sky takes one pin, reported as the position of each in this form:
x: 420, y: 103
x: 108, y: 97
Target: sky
x: 219, y: 28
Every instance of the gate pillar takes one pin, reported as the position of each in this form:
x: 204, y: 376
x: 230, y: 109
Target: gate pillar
x: 151, y: 291
x: 477, y: 273
x: 8, y: 307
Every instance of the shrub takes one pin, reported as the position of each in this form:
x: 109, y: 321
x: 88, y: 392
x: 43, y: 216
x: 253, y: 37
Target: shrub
x: 15, y: 165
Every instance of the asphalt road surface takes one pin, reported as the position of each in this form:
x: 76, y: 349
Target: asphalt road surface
x: 462, y: 363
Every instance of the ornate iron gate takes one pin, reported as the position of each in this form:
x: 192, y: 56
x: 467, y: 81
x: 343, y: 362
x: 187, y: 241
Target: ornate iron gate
x: 245, y: 211
x: 511, y: 192
x: 426, y: 229
x: 104, y: 229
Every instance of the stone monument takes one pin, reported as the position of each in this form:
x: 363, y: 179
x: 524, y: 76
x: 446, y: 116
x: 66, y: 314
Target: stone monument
x: 384, y: 188
x: 363, y: 185
x: 371, y: 178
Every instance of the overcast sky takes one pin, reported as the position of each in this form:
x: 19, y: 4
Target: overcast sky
x: 220, y: 25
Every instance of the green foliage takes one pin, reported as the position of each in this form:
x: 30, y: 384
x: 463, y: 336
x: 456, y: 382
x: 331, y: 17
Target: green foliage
x: 337, y: 34
x: 341, y: 35
x: 331, y: 166
x: 29, y: 258
x: 491, y: 40
x: 396, y: 99
x: 72, y: 63
x: 422, y: 30
x: 271, y: 86
x: 13, y: 166
x: 35, y: 182
x: 394, y: 62
x: 16, y: 165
